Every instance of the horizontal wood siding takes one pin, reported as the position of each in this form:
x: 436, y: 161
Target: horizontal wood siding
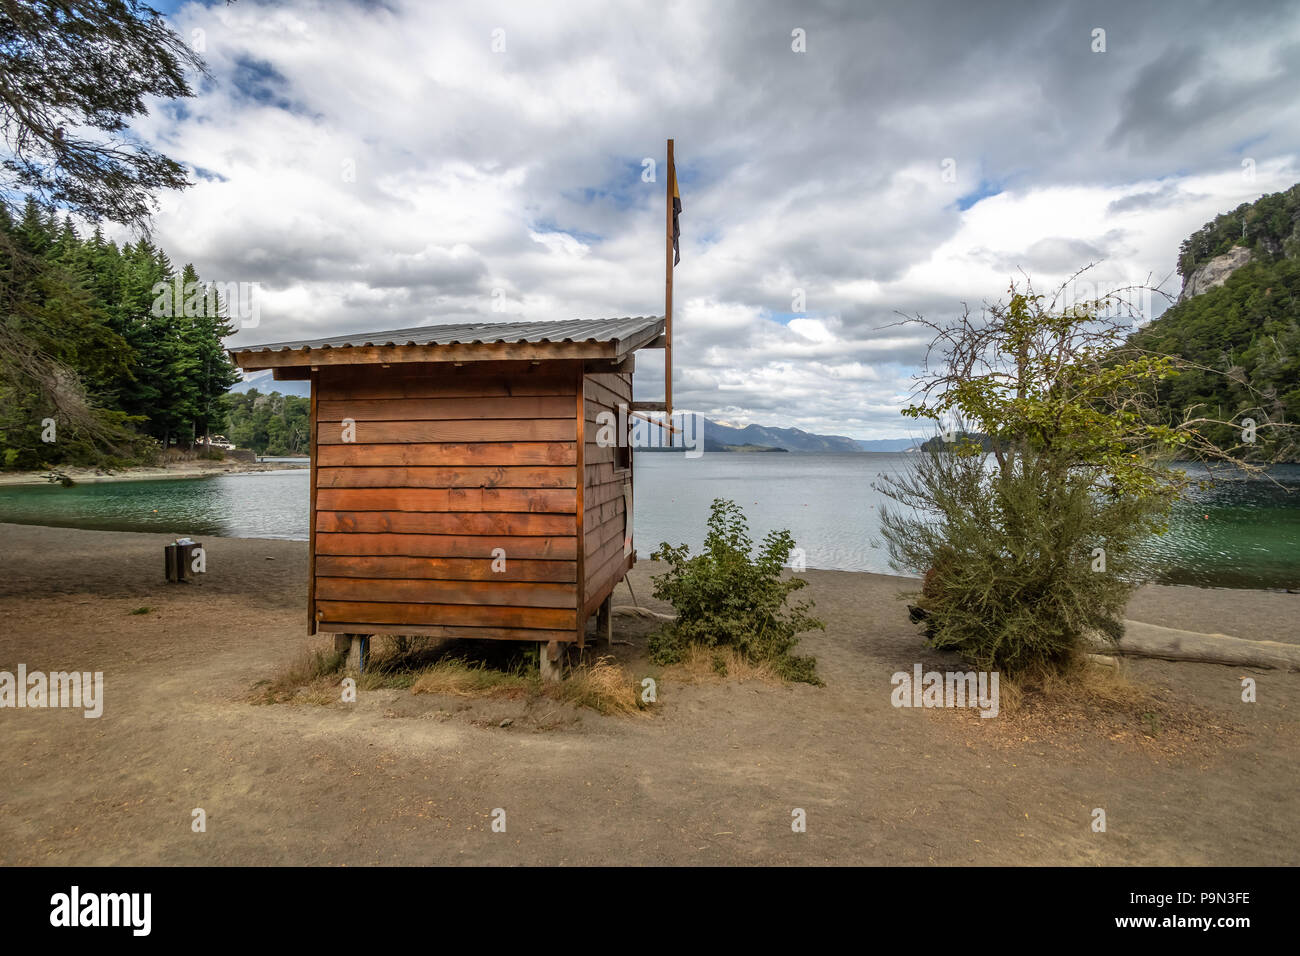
x: 604, y: 527
x: 447, y: 546
x: 422, y: 473
x: 445, y: 409
x: 448, y: 631
x: 507, y: 454
x: 543, y: 500
x: 432, y: 432
x: 408, y: 567
x: 499, y: 476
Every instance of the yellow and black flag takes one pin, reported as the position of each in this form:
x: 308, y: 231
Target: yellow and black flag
x: 677, y: 211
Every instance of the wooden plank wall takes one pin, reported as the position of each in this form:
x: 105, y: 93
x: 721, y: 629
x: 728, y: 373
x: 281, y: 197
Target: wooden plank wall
x: 446, y: 464
x: 603, y: 519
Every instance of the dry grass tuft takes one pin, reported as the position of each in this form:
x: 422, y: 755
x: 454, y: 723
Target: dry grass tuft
x: 604, y: 686
x: 1083, y: 684
x: 306, y: 678
x: 462, y: 678
x: 1087, y: 701
x: 714, y: 665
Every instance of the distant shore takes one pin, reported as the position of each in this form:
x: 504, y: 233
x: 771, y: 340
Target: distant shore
x: 185, y: 469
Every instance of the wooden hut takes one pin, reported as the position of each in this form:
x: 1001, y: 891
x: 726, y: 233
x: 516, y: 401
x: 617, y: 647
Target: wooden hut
x: 459, y: 483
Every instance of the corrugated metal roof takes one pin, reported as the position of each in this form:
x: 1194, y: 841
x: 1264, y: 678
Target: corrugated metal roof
x: 477, y: 333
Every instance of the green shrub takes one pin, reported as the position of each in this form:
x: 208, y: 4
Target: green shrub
x: 727, y: 595
x: 1021, y: 565
x: 1011, y: 542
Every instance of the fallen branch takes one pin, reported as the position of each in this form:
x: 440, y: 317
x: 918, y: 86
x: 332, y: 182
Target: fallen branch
x: 638, y: 611
x: 1171, y: 644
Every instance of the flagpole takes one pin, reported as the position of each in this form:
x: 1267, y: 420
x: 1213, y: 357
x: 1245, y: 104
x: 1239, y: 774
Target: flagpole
x: 668, y: 289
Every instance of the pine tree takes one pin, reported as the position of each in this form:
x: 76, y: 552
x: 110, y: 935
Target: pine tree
x: 212, y: 373
x: 91, y: 342
x: 56, y: 353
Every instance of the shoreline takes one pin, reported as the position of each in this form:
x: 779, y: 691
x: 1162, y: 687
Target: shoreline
x: 642, y: 561
x: 90, y: 476
x: 113, y: 564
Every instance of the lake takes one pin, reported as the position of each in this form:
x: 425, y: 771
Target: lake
x: 1234, y: 534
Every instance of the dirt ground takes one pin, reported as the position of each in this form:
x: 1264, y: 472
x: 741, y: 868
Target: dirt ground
x: 712, y: 777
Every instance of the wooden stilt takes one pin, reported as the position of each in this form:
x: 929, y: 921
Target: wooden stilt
x: 550, y: 660
x: 605, y: 620
x: 357, y: 649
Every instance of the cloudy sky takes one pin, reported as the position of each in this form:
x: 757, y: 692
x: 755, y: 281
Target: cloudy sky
x: 383, y: 165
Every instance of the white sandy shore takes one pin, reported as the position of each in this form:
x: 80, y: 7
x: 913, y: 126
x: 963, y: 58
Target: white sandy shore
x: 189, y: 469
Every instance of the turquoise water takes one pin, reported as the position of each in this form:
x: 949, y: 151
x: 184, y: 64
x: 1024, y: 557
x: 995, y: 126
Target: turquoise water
x: 1235, y: 534
x: 270, y: 504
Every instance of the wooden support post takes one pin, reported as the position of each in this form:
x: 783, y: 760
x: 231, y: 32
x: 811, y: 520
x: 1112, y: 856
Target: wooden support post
x: 605, y: 620
x: 550, y: 660
x: 357, y: 649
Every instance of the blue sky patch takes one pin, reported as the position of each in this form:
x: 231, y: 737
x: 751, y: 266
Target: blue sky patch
x: 547, y: 225
x: 984, y: 190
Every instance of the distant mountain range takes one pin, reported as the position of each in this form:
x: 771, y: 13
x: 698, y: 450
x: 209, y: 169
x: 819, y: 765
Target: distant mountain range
x: 718, y: 436
x: 796, y: 439
x: 791, y: 439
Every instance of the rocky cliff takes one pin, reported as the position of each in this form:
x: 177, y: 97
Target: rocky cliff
x: 1214, y: 273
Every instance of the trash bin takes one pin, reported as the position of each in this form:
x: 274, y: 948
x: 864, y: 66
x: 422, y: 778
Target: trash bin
x: 179, y: 558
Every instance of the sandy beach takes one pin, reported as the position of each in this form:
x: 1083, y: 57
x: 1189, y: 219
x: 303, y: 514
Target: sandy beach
x: 711, y: 778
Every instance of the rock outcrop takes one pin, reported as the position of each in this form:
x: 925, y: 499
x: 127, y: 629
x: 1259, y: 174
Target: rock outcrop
x: 1214, y: 273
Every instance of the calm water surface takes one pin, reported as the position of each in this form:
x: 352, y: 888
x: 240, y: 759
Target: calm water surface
x: 1235, y: 534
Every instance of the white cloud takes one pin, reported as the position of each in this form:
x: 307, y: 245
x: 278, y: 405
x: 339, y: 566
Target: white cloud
x: 381, y: 167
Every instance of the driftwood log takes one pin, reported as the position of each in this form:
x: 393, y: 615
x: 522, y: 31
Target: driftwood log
x: 629, y: 610
x: 1143, y: 640
x: 1170, y: 644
